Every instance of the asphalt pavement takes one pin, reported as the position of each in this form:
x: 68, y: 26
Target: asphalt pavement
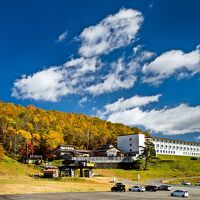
x: 194, y: 193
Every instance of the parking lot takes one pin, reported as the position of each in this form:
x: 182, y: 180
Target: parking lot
x: 194, y: 193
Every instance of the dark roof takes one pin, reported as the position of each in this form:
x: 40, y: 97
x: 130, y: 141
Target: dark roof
x: 102, y: 150
x: 105, y: 147
x: 132, y: 134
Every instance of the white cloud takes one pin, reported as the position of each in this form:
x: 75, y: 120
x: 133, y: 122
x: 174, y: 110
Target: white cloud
x: 82, y: 65
x: 47, y: 85
x: 113, y: 32
x: 171, y: 62
x: 135, y: 101
x: 62, y: 37
x: 86, y: 74
x: 83, y: 101
x: 178, y: 120
x: 55, y: 82
x: 122, y: 76
x: 197, y: 138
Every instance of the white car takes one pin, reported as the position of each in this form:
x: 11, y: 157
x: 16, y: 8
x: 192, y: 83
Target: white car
x: 137, y: 189
x: 186, y: 183
x: 180, y: 193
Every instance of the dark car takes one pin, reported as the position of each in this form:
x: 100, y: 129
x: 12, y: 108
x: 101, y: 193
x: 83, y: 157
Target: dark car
x: 118, y: 187
x: 151, y: 188
x: 164, y: 187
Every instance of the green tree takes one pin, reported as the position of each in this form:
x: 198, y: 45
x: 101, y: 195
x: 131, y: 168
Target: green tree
x: 148, y: 153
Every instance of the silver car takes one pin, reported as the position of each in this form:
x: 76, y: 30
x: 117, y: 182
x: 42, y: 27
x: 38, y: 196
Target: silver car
x: 180, y: 193
x: 137, y: 189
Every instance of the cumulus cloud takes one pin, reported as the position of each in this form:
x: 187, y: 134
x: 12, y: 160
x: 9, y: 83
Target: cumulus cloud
x: 172, y: 62
x: 135, y: 101
x: 86, y: 74
x: 62, y: 36
x: 52, y: 83
x: 177, y: 120
x: 121, y: 76
x: 113, y: 32
x: 140, y: 55
x: 47, y: 85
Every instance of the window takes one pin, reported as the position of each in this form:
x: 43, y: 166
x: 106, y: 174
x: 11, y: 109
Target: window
x: 130, y: 149
x: 130, y: 139
x: 130, y: 144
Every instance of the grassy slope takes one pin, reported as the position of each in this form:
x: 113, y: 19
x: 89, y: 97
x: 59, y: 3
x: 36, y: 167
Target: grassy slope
x: 167, y: 167
x: 10, y: 167
x: 15, y: 179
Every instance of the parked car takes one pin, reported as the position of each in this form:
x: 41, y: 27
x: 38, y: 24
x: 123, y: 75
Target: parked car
x: 137, y: 189
x: 151, y: 188
x: 180, y: 193
x: 186, y: 183
x: 165, y: 187
x: 198, y: 183
x: 118, y: 187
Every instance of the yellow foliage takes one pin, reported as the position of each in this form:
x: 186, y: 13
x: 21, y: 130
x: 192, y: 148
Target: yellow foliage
x: 35, y: 120
x: 25, y: 134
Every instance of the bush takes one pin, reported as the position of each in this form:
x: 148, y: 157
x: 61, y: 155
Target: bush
x: 193, y: 158
x: 1, y: 152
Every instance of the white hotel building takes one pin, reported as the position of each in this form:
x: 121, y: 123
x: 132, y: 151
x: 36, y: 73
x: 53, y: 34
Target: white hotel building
x: 131, y: 144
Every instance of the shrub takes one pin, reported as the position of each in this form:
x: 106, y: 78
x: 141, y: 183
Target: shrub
x: 193, y: 158
x: 1, y: 152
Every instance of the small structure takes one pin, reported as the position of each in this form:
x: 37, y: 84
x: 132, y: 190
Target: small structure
x: 107, y: 150
x: 51, y: 172
x: 34, y: 159
x: 63, y: 151
x: 68, y: 151
x: 70, y: 166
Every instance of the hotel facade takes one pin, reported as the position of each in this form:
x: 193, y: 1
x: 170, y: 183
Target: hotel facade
x: 131, y: 144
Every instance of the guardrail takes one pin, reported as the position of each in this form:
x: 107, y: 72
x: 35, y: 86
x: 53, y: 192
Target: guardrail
x: 126, y: 159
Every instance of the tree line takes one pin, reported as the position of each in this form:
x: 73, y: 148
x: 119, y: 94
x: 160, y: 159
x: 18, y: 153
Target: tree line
x: 31, y: 130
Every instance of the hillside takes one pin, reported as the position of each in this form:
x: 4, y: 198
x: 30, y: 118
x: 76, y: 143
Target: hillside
x: 16, y: 178
x: 25, y: 130
x: 166, y: 167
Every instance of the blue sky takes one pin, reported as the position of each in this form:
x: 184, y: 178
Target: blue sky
x: 133, y: 62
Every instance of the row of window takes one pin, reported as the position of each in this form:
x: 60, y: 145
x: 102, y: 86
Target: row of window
x: 176, y: 147
x: 175, y: 142
x: 173, y: 152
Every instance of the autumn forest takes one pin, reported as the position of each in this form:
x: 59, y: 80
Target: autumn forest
x: 30, y: 130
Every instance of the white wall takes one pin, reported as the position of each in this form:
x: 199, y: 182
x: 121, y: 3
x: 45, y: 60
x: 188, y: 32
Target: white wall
x: 131, y: 143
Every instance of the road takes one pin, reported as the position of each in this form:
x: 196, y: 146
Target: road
x: 159, y: 195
